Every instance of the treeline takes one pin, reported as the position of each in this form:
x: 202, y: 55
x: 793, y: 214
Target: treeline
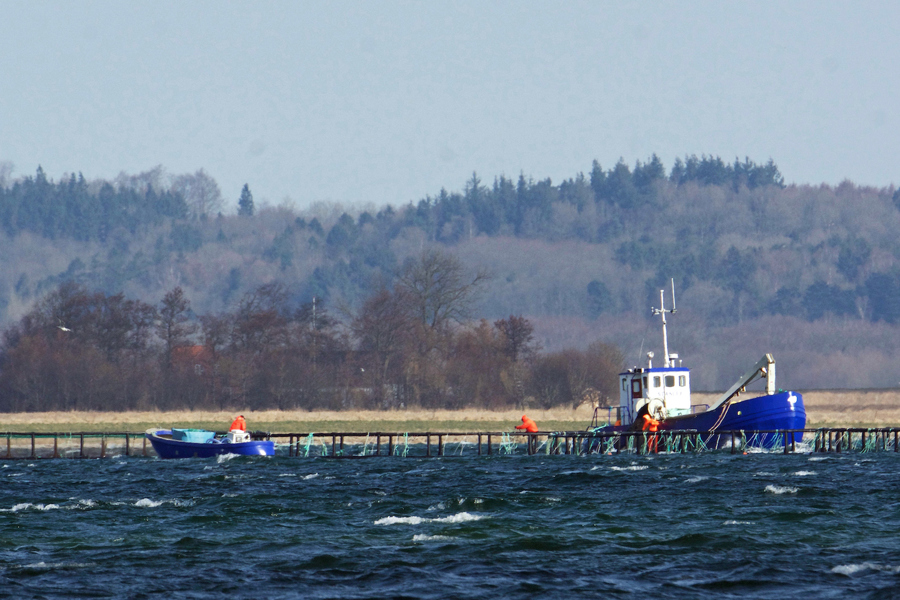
x: 525, y: 207
x: 602, y: 208
x: 349, y: 252
x: 409, y: 344
x: 70, y: 208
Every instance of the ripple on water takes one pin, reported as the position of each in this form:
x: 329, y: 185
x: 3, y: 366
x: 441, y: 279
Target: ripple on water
x: 462, y: 527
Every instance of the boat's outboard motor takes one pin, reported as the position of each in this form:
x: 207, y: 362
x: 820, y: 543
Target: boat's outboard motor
x: 236, y: 436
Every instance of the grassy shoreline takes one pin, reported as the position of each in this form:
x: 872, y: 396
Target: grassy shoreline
x: 468, y: 420
x: 831, y: 408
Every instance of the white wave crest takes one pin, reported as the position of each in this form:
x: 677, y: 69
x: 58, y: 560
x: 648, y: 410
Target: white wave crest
x: 400, y: 520
x: 817, y: 458
x: 778, y: 489
x: 148, y: 503
x: 805, y: 473
x: 225, y: 457
x: 421, y: 537
x: 737, y: 523
x: 696, y: 479
x: 462, y: 517
x: 867, y: 566
x: 631, y: 468
x: 29, y: 505
x: 310, y: 476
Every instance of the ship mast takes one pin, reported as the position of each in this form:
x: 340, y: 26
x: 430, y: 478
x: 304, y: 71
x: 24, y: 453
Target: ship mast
x: 662, y: 310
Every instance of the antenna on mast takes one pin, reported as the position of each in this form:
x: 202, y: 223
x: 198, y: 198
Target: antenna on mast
x: 673, y: 296
x: 662, y: 310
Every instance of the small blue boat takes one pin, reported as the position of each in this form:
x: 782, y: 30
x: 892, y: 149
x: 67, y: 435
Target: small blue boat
x: 200, y: 443
x: 664, y: 393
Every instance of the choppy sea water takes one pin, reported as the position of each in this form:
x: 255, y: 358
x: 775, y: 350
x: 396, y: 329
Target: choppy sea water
x: 680, y: 526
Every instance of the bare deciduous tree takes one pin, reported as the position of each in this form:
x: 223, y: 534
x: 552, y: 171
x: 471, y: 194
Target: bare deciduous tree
x: 518, y: 336
x: 152, y: 179
x: 438, y: 289
x: 200, y: 191
x: 382, y: 329
x: 174, y: 327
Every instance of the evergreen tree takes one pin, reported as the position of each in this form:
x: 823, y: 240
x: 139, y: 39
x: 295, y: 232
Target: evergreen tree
x: 245, y: 204
x: 598, y: 181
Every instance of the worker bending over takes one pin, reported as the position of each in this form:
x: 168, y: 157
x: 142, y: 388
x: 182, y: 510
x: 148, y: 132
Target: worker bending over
x: 528, y: 425
x: 651, y: 425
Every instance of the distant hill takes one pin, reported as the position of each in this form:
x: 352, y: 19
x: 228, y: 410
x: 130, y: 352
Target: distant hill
x: 807, y: 272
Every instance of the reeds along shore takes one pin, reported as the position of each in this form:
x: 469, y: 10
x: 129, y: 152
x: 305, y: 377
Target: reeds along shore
x: 832, y: 408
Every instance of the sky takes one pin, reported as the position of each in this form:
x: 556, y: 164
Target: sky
x: 387, y: 102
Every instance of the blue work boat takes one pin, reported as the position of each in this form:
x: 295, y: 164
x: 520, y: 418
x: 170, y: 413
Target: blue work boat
x: 664, y: 393
x: 200, y: 443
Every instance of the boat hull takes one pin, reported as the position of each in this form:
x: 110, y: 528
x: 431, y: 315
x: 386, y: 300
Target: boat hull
x: 780, y: 411
x: 166, y: 447
x: 771, y: 415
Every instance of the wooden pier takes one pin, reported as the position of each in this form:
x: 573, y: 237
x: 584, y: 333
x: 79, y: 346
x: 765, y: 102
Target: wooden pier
x: 433, y: 444
x: 94, y: 445
x: 83, y: 444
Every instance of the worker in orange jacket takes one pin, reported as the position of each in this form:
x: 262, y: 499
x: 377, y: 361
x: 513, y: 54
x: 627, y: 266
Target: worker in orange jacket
x: 528, y: 425
x: 238, y: 424
x: 531, y: 427
x: 651, y: 425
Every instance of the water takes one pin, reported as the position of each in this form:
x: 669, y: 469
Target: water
x: 683, y: 526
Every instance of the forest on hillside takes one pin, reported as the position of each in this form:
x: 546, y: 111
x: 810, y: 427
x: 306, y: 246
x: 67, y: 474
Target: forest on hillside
x: 807, y: 272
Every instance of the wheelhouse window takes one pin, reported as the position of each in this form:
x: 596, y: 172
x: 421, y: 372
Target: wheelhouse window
x: 656, y: 381
x: 670, y: 381
x: 682, y: 381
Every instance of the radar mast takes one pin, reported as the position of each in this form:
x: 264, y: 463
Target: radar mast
x: 661, y: 311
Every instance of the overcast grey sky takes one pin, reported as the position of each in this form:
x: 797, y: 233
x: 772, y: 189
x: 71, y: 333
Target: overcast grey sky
x: 386, y: 102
